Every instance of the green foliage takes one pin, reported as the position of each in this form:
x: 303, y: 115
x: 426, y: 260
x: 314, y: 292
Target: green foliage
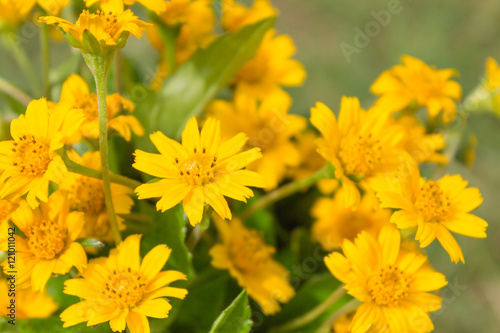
x: 235, y: 318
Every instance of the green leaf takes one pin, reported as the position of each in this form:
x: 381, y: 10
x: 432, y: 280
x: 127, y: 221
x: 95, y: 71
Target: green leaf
x: 90, y: 242
x: 169, y: 228
x: 235, y: 318
x: 196, y: 82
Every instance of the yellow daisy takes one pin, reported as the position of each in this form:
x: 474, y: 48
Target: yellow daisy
x: 29, y: 161
x: 117, y: 6
x: 421, y: 146
x: 249, y: 260
x: 29, y: 304
x: 336, y: 220
x: 49, y: 246
x: 271, y: 68
x: 434, y: 207
x: 75, y: 92
x: 86, y: 195
x: 236, y: 16
x: 7, y: 208
x: 122, y: 290
x: 415, y: 84
x: 107, y: 27
x: 268, y: 126
x: 201, y: 170
x: 392, y: 284
x: 360, y: 144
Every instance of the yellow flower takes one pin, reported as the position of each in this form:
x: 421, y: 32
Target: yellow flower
x: 493, y: 82
x: 30, y: 161
x: 270, y: 68
x: 392, y: 284
x: 310, y: 162
x: 336, y: 220
x: 268, y: 126
x: 201, y: 170
x: 29, y: 304
x: 52, y: 7
x: 249, y: 260
x: 76, y: 93
x: 196, y: 21
x: 360, y: 144
x: 116, y: 6
x: 49, y: 246
x: 109, y: 29
x: 236, y: 16
x: 7, y: 208
x: 434, y: 207
x: 10, y: 14
x: 342, y: 324
x: 414, y: 84
x: 421, y: 146
x: 122, y: 290
x: 86, y: 195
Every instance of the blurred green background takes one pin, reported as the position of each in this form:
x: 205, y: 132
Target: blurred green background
x: 456, y: 34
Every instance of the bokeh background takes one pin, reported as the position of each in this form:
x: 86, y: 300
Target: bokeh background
x: 456, y: 34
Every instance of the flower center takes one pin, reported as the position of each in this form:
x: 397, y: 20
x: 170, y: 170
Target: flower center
x: 198, y: 169
x: 360, y: 155
x: 46, y: 239
x: 87, y: 195
x: 125, y: 288
x: 432, y: 203
x: 388, y: 286
x: 249, y: 252
x: 353, y: 222
x: 31, y: 155
x: 88, y: 103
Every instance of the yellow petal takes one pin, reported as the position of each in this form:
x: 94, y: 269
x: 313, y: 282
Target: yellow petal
x: 194, y: 204
x: 137, y: 323
x: 41, y: 274
x: 128, y: 252
x: 154, y: 261
x: 191, y: 135
x: 155, y: 308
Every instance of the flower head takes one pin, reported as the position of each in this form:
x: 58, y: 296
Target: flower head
x: 11, y: 15
x: 76, y: 93
x: 7, y: 208
x: 86, y: 195
x: 360, y: 144
x: 336, y: 221
x: 249, y: 259
x: 434, y: 207
x: 122, y: 290
x: 415, y: 84
x: 268, y: 126
x: 99, y: 32
x: 392, y: 284
x: 201, y: 170
x: 49, y: 244
x: 236, y: 16
x: 270, y: 68
x: 29, y: 161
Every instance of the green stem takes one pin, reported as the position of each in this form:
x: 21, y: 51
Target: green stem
x: 314, y: 313
x: 23, y: 61
x: 45, y: 48
x: 101, y: 76
x: 199, y: 229
x: 14, y: 92
x: 348, y: 307
x: 92, y: 173
x: 286, y: 190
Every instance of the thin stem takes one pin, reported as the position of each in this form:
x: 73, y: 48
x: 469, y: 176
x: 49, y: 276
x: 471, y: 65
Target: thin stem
x: 23, y: 61
x: 92, y: 173
x: 14, y: 92
x: 348, y: 307
x: 199, y: 229
x: 45, y: 48
x: 314, y: 313
x: 101, y: 74
x: 285, y: 191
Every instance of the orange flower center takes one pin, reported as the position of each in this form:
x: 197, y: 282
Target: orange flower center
x: 31, y: 155
x: 197, y: 170
x: 432, y: 203
x: 125, y: 288
x: 87, y: 195
x: 46, y: 239
x: 249, y: 252
x: 388, y: 286
x: 359, y: 155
